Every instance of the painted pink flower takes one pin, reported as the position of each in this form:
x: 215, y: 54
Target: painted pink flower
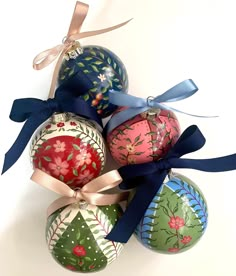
x: 79, y: 251
x: 59, y: 167
x: 186, y: 239
x: 48, y: 126
x: 85, y: 177
x: 73, y: 124
x: 60, y: 125
x: 71, y: 267
x: 173, y: 250
x: 83, y: 157
x: 59, y: 146
x: 176, y: 222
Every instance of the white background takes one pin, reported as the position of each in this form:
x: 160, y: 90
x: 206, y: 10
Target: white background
x: 167, y: 42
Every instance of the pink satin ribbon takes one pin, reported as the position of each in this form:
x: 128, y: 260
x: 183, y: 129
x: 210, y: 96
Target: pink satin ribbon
x: 48, y: 56
x: 92, y: 192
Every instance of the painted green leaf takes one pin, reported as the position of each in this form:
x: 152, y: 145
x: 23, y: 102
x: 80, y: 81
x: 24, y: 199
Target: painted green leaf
x: 139, y: 143
x: 90, y: 212
x: 83, y: 168
x: 114, y: 65
x: 128, y: 140
x: 86, y: 71
x: 88, y: 58
x: 101, y: 55
x: 78, y: 235
x: 40, y: 164
x: 121, y: 148
x: 94, y: 165
x: 61, y: 177
x: 137, y: 138
x: 71, y: 72
x: 48, y: 147
x: 139, y: 152
x: 93, y: 89
x: 86, y: 97
x: 47, y: 158
x: 75, y: 172
x: 109, y: 60
x: 70, y: 182
x: 70, y: 156
x: 49, y: 131
x: 98, y: 62
x: 82, y: 241
x: 76, y: 147
x: 67, y: 215
x: 86, y: 258
x: 116, y: 80
x: 80, y: 64
x: 93, y: 53
x: 95, y: 69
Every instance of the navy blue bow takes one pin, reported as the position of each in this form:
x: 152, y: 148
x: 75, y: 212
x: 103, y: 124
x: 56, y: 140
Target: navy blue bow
x: 36, y: 111
x: 147, y: 178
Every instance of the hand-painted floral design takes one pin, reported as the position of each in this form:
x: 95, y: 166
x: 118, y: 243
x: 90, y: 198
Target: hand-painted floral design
x: 59, y: 146
x: 131, y: 160
x: 84, y: 177
x: 60, y: 124
x: 73, y: 123
x: 130, y: 148
x: 79, y: 251
x: 176, y: 222
x: 147, y: 136
x: 71, y: 267
x: 173, y: 250
x: 83, y: 158
x: 59, y: 167
x: 102, y: 77
x: 48, y: 126
x: 186, y: 239
x: 91, y: 266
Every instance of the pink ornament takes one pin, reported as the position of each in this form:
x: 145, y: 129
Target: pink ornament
x: 144, y: 138
x: 70, y: 149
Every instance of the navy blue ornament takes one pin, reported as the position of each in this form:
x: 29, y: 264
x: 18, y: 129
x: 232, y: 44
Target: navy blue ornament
x: 100, y: 67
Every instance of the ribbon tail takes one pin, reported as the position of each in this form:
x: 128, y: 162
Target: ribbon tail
x: 98, y: 32
x: 22, y: 140
x: 127, y: 224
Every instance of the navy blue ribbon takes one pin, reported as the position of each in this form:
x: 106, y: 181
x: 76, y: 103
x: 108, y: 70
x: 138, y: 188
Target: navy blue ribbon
x: 35, y: 112
x: 147, y: 178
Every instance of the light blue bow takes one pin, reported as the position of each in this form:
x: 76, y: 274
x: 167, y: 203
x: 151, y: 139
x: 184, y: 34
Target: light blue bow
x: 138, y: 105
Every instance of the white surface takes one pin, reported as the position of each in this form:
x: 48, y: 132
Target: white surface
x: 167, y: 42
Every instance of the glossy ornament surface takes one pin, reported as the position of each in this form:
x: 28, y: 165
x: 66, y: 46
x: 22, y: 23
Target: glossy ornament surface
x: 69, y: 148
x: 176, y: 219
x: 146, y: 137
x: 75, y: 236
x: 102, y: 68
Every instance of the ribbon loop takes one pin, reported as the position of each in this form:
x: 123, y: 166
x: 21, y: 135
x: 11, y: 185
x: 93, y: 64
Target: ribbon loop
x: 147, y: 178
x: 52, y: 105
x: 92, y: 192
x: 138, y: 105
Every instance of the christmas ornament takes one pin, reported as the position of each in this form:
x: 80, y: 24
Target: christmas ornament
x: 69, y: 148
x: 98, y: 66
x: 76, y: 236
x: 176, y: 218
x: 151, y: 195
x: 146, y: 137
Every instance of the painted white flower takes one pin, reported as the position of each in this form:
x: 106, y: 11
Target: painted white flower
x: 102, y: 77
x: 130, y: 148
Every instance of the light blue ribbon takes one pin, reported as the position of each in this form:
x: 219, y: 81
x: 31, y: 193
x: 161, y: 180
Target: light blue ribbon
x: 138, y: 105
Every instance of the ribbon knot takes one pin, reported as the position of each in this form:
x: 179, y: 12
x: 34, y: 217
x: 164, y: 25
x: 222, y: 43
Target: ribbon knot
x: 163, y: 165
x: 138, y: 105
x: 53, y: 105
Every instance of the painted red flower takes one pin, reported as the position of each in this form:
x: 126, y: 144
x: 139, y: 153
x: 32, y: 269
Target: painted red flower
x: 60, y: 125
x: 91, y: 266
x: 73, y: 124
x: 80, y: 263
x: 79, y: 251
x: 48, y: 126
x: 71, y: 267
x: 59, y: 166
x: 186, y: 239
x: 176, y: 222
x: 173, y: 250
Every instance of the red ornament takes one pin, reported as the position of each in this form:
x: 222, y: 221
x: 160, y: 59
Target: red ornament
x: 72, y: 150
